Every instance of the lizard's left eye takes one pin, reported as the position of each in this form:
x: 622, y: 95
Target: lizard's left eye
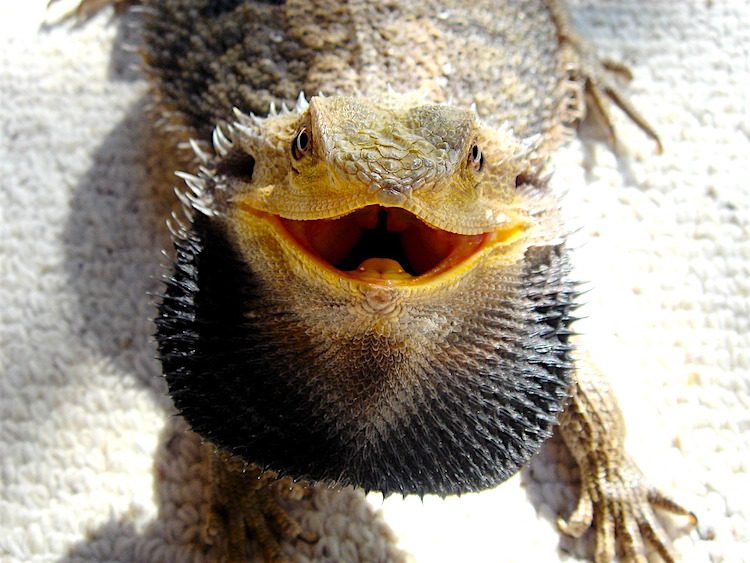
x: 301, y: 144
x: 476, y: 158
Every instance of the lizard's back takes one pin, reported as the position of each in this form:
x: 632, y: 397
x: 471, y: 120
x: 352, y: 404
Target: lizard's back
x: 209, y: 56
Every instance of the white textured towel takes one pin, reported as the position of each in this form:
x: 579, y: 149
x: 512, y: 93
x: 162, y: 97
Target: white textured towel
x: 93, y: 467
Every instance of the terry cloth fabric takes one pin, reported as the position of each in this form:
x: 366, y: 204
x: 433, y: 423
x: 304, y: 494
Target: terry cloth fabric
x: 95, y: 467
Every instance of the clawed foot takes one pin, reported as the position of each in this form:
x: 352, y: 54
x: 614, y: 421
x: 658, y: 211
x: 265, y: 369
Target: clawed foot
x: 620, y: 505
x: 246, y: 504
x: 597, y: 76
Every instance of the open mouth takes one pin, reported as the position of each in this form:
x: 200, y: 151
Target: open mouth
x: 382, y: 244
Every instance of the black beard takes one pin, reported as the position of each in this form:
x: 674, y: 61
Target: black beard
x: 363, y: 412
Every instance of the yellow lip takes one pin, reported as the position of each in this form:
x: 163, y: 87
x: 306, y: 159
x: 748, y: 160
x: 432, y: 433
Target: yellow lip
x: 423, y: 254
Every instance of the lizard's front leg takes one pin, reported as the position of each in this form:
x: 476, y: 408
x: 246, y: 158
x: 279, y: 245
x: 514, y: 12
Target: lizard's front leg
x: 246, y: 503
x: 615, y: 497
x: 595, y: 74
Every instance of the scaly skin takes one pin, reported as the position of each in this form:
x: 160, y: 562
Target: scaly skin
x: 387, y: 380
x: 615, y: 498
x: 248, y: 499
x: 377, y: 364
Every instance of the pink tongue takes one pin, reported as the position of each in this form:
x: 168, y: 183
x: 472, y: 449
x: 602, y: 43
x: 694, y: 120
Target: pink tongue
x: 382, y: 268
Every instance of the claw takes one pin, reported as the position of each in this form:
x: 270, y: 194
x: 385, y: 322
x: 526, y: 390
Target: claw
x: 622, y: 103
x: 605, y: 535
x: 618, y: 68
x: 580, y: 520
x: 660, y: 500
x: 632, y: 542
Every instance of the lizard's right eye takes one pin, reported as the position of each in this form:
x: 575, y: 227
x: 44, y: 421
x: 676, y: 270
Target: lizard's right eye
x: 301, y: 144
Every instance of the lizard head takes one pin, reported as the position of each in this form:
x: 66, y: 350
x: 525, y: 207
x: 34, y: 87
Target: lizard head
x: 372, y: 292
x: 387, y: 192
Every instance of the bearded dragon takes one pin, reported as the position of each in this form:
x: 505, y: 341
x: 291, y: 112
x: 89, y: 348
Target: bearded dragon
x: 372, y: 288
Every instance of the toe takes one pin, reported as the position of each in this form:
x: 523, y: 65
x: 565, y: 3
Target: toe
x: 605, y: 535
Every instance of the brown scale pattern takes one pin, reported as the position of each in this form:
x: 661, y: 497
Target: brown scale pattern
x: 525, y: 69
